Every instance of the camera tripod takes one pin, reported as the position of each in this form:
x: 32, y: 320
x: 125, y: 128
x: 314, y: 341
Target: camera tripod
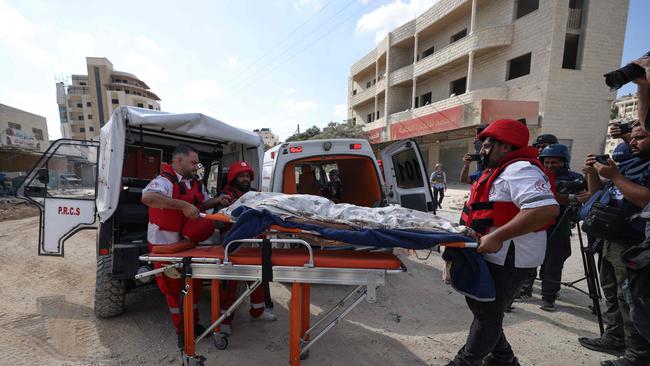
x: 589, y: 265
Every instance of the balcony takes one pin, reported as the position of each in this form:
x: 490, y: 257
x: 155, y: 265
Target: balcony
x: 442, y: 9
x: 471, y: 100
x: 378, y: 123
x: 363, y: 96
x: 367, y: 61
x: 381, y: 85
x: 454, y: 54
x: 574, y: 20
x: 402, y: 33
x: 401, y: 75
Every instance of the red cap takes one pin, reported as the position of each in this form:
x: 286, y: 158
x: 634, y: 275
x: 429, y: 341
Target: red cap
x: 198, y: 230
x: 508, y: 131
x: 239, y: 167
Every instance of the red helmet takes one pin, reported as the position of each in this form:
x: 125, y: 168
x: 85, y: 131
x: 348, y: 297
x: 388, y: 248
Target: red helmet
x: 508, y: 131
x: 198, y: 230
x: 239, y: 167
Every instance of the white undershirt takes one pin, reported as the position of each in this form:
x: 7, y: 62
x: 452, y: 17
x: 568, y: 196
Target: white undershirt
x: 525, y: 185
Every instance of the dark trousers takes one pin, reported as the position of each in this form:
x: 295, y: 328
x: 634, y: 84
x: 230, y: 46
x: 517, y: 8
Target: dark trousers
x: 438, y: 192
x: 486, y: 332
x: 558, y: 249
x: 619, y: 328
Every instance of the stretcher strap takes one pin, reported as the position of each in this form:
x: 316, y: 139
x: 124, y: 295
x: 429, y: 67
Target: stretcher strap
x: 267, y: 268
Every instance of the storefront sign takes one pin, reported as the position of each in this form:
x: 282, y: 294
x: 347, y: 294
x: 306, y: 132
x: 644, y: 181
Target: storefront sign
x: 18, y: 138
x: 492, y: 110
x: 375, y: 135
x: 445, y: 120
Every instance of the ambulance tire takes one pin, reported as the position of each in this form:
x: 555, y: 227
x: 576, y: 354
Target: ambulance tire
x: 110, y: 294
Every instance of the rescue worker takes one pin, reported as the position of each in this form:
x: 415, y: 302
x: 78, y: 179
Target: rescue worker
x: 543, y: 140
x: 556, y: 160
x: 438, y: 181
x: 175, y: 198
x: 240, y: 175
x: 509, y: 208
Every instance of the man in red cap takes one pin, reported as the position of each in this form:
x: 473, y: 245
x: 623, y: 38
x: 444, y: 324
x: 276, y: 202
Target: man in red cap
x: 175, y: 198
x: 509, y: 207
x: 240, y: 175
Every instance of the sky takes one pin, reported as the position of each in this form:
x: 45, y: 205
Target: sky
x: 252, y: 64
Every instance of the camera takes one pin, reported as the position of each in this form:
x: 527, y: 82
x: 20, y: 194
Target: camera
x: 625, y: 127
x: 603, y: 159
x: 571, y: 186
x: 617, y: 78
x: 475, y: 157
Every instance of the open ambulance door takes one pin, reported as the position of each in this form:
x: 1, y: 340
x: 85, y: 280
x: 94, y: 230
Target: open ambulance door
x: 407, y: 182
x: 63, y: 185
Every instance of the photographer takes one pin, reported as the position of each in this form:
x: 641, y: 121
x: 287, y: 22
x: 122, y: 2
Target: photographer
x: 624, y: 194
x: 644, y: 90
x: 571, y: 193
x: 465, y: 176
x: 544, y: 140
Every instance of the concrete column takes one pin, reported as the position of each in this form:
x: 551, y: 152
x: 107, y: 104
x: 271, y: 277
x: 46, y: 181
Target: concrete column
x: 470, y: 71
x: 415, y: 57
x: 374, y: 111
x: 472, y: 22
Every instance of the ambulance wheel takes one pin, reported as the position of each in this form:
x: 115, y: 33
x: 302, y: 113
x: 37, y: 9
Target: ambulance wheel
x: 220, y: 341
x: 109, y: 293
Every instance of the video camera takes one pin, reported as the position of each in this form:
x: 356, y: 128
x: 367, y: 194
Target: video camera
x: 571, y: 186
x: 617, y: 78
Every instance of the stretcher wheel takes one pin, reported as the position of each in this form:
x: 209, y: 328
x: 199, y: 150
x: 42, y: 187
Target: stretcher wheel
x: 220, y: 341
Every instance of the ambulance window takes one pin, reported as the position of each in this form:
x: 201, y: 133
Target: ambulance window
x: 212, y: 184
x: 407, y: 169
x: 69, y: 173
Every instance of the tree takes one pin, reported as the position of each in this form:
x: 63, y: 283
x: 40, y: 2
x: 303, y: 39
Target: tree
x: 307, y: 135
x: 335, y: 130
x: 613, y: 113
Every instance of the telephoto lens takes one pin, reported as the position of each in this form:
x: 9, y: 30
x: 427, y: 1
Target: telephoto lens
x: 624, y: 75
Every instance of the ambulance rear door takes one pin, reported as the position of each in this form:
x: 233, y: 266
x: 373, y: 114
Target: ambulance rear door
x: 63, y: 185
x: 407, y: 182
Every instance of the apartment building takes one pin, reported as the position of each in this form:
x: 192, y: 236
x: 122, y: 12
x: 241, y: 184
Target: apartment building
x: 22, y: 130
x: 270, y: 139
x: 87, y: 103
x: 463, y: 63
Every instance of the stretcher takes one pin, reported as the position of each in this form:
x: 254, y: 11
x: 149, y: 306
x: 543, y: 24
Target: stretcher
x: 301, y: 265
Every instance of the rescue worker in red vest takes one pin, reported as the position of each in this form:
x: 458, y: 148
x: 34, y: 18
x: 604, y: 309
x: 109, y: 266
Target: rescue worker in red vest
x: 175, y: 198
x: 240, y: 175
x: 510, y: 206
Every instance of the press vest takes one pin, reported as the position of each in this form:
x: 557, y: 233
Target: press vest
x: 479, y: 212
x: 170, y: 219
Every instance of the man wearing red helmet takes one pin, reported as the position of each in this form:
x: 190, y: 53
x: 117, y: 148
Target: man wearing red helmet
x: 509, y: 207
x: 175, y: 198
x: 240, y: 175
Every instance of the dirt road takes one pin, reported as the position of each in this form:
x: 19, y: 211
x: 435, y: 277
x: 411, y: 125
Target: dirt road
x: 46, y: 318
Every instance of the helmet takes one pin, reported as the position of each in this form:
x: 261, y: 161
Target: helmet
x: 622, y: 152
x: 546, y: 138
x: 556, y: 151
x: 239, y: 167
x: 198, y: 230
x: 508, y: 131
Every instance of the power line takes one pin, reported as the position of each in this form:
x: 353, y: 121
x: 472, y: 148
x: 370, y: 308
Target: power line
x: 275, y: 47
x: 246, y: 80
x: 247, y: 83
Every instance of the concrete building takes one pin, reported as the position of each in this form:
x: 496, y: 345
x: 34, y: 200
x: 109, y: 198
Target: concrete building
x: 628, y: 110
x: 628, y: 106
x: 23, y: 137
x: 88, y: 102
x: 467, y: 62
x: 269, y: 138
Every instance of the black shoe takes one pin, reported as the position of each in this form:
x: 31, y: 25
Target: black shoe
x: 621, y: 362
x: 548, y: 306
x: 490, y: 360
x: 598, y: 345
x: 509, y: 308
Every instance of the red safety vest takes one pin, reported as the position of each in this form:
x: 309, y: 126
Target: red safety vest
x: 170, y: 219
x: 479, y: 212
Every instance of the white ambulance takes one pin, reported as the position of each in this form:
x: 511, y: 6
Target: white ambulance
x: 346, y: 171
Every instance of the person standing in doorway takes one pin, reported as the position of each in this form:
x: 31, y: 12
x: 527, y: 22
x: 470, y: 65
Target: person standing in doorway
x: 438, y: 181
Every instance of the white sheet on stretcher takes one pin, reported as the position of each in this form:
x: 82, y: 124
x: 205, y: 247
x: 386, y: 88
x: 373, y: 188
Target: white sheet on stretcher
x: 321, y: 209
